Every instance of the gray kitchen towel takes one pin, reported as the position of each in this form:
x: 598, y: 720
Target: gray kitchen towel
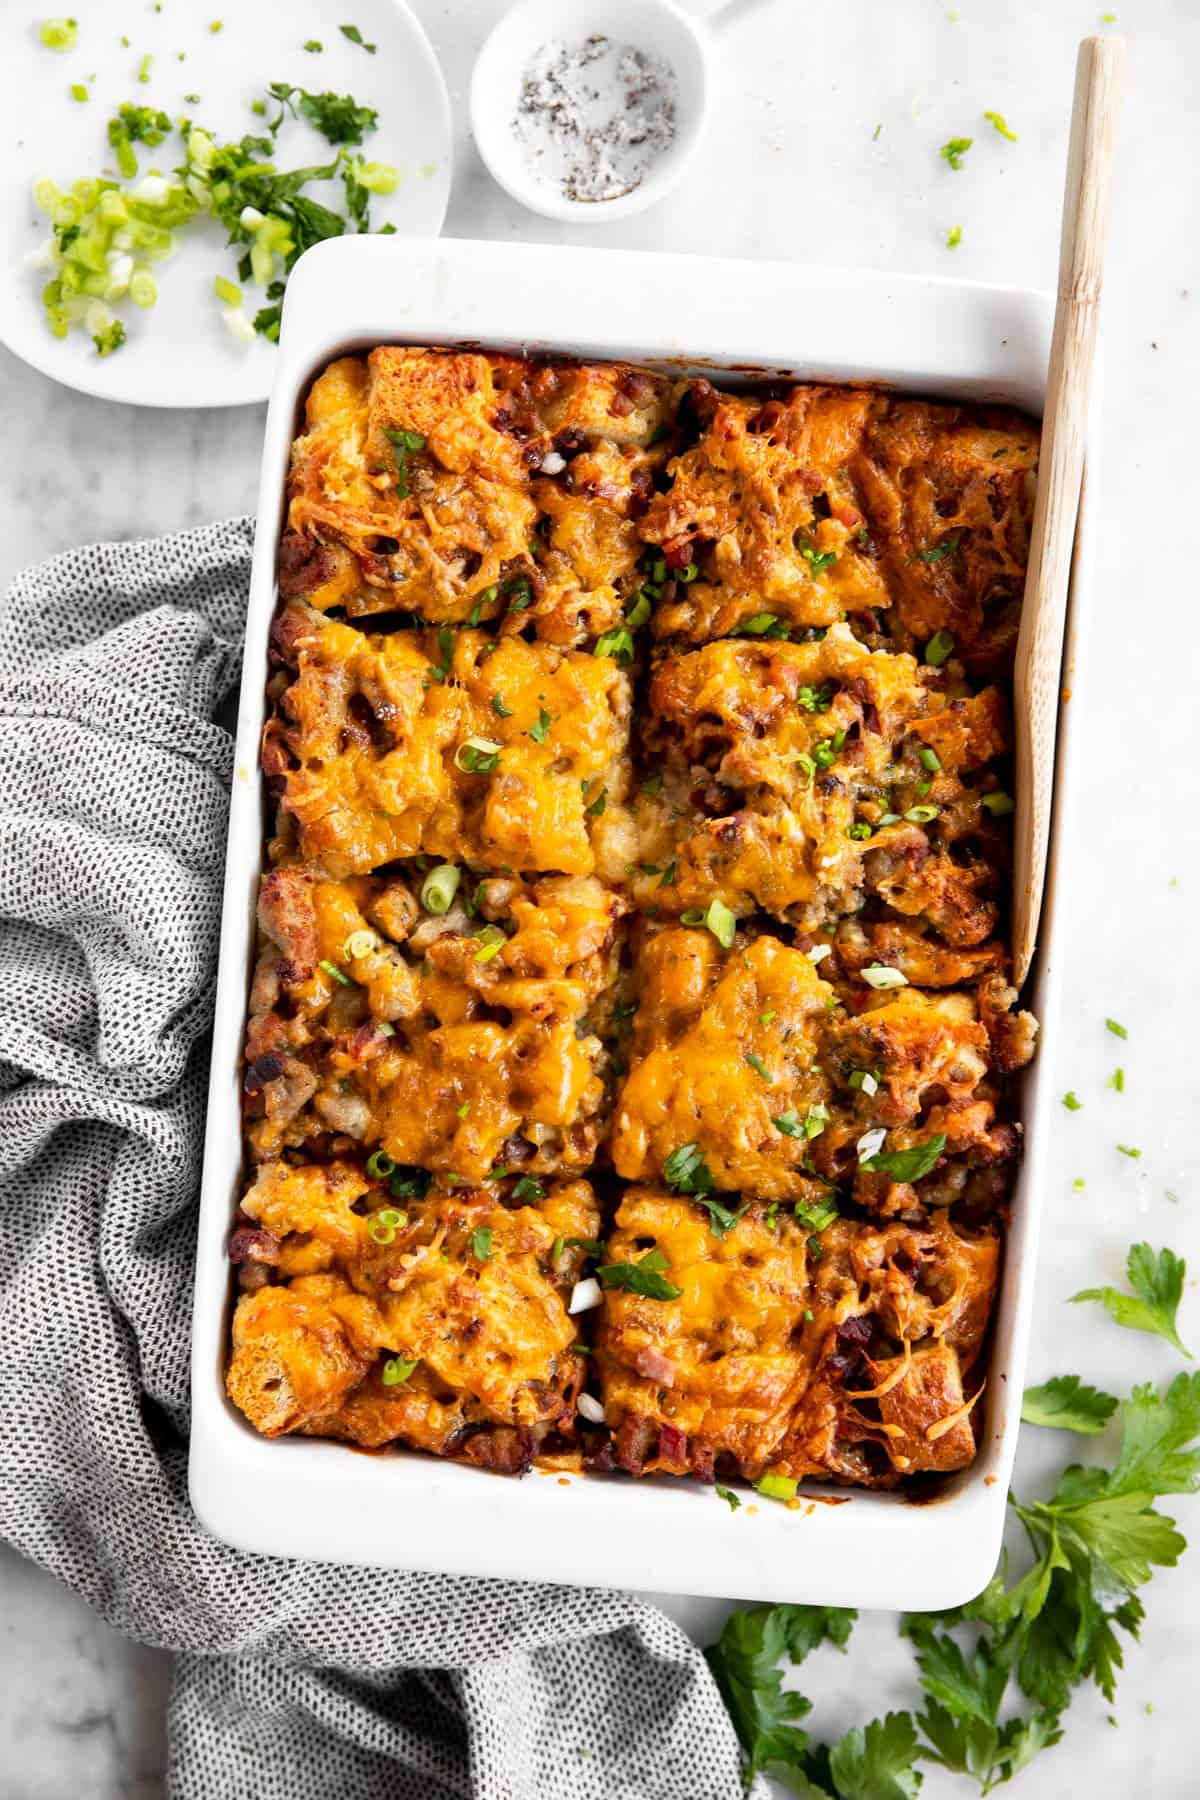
x: 294, y: 1679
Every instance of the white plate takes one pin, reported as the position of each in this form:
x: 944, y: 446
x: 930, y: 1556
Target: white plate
x: 180, y: 352
x: 294, y: 1496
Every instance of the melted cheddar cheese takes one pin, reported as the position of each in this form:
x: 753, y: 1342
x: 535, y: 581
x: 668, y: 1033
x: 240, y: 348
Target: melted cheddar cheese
x: 700, y: 702
x: 502, y: 753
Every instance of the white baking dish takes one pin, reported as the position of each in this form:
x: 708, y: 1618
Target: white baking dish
x: 302, y: 1497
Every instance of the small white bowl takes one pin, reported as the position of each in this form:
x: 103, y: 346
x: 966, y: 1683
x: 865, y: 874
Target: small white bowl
x: 658, y: 27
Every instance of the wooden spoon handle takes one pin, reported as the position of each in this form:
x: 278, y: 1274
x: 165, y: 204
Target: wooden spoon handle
x: 1068, y: 398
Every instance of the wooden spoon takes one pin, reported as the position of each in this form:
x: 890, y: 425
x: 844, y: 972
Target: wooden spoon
x: 1060, y: 477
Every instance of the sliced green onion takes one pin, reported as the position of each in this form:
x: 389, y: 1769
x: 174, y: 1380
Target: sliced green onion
x: 360, y: 943
x: 144, y: 68
x: 860, y: 829
x: 639, y: 612
x: 227, y: 290
x: 1071, y: 1101
x: 689, y: 574
x: 759, y: 1067
x: 143, y: 289
x: 439, y: 888
x: 477, y: 756
x: 617, y: 644
x: 397, y: 1369
x: 999, y: 805
x: 337, y: 974
x: 1129, y: 1150
x: 78, y: 91
x: 939, y: 647
x: 1117, y: 1030
x: 760, y: 623
x: 491, y: 941
x: 1117, y: 1080
x: 383, y: 1226
x: 864, y: 1080
x: 380, y: 1165
x: 930, y: 759
x: 58, y: 34
x: 879, y: 975
x: 921, y: 815
x: 776, y: 1487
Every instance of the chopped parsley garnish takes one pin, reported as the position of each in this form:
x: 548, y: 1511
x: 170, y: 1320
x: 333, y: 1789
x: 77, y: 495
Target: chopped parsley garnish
x: 1157, y: 1283
x: 686, y: 1172
x: 815, y: 1216
x: 910, y: 1164
x: 759, y: 1067
x: 1071, y: 1101
x: 595, y: 807
x: 528, y: 1189
x: 954, y: 150
x: 859, y: 830
x: 541, y: 731
x: 818, y: 560
x: 644, y: 1277
x: 110, y: 337
x: 939, y: 552
x: 314, y: 46
x: 356, y: 37
x: 1116, y: 1081
x: 498, y: 707
x: 728, y: 1496
x: 998, y: 120
x: 445, y: 639
x: 403, y: 444
x: 721, y: 1218
x: 667, y: 878
x: 814, y: 699
x: 481, y: 1243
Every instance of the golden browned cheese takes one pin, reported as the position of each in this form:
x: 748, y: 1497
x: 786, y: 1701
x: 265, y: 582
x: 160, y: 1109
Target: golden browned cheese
x: 455, y: 1043
x: 417, y: 485
x: 793, y: 780
x: 907, y: 517
x: 443, y: 1324
x: 765, y: 505
x: 508, y: 754
x: 753, y: 1059
x: 639, y: 758
x: 709, y: 1023
x: 842, y: 1357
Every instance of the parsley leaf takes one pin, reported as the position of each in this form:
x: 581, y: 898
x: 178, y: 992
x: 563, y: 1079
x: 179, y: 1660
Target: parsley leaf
x: 481, y: 1243
x: 541, y: 730
x: 720, y: 1218
x: 745, y: 1664
x: 1157, y: 1283
x: 686, y: 1172
x: 728, y: 1496
x: 875, y: 1762
x: 643, y: 1277
x: 1070, y: 1404
x: 910, y: 1164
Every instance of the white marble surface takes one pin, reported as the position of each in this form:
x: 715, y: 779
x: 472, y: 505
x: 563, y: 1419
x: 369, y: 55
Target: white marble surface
x: 791, y: 170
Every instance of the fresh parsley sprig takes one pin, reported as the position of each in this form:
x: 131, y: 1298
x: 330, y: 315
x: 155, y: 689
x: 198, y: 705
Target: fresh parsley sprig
x: 1157, y: 1283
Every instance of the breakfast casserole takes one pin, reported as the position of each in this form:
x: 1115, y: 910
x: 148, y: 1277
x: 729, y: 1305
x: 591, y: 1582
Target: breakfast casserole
x: 628, y: 1072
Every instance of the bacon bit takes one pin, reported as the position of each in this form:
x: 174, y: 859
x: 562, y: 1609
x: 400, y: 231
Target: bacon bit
x: 940, y: 1427
x: 365, y: 1042
x: 655, y: 1367
x: 253, y: 1244
x: 847, y: 516
x: 620, y: 406
x: 672, y: 1445
x: 678, y: 555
